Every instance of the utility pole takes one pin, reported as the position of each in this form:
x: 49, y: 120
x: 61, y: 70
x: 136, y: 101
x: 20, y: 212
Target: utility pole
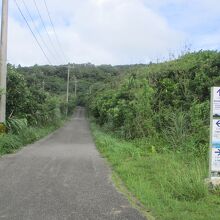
x: 90, y: 89
x: 3, y: 59
x: 75, y: 86
x: 67, y: 88
x: 43, y: 85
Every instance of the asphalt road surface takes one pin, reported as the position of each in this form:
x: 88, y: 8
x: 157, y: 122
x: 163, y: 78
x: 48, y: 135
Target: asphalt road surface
x: 61, y: 177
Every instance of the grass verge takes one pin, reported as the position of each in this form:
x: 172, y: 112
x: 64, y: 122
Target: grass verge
x: 10, y: 143
x: 169, y: 185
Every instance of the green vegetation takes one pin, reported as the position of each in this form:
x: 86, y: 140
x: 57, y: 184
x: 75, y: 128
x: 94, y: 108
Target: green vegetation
x: 36, y: 100
x: 153, y: 124
x: 159, y: 117
x: 169, y: 185
x: 11, y: 142
x: 32, y: 111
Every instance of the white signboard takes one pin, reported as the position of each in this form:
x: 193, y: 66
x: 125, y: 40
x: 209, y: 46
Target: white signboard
x: 215, y: 133
x: 216, y: 101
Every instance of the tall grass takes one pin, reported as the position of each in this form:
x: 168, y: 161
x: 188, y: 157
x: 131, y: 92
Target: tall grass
x: 20, y: 137
x: 176, y: 130
x: 170, y: 184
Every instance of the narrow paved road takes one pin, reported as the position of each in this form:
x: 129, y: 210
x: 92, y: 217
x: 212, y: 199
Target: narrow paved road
x: 61, y: 177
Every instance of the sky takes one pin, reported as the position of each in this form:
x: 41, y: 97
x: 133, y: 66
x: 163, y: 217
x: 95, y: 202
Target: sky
x: 112, y: 31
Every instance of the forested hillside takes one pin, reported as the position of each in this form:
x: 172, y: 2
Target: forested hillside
x: 155, y: 131
x: 170, y: 99
x: 53, y: 78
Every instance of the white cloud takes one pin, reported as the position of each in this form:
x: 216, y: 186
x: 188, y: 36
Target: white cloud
x: 22, y: 49
x: 98, y: 31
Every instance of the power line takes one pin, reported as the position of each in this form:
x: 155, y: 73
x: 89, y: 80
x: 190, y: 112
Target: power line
x: 32, y: 32
x: 39, y: 33
x: 42, y: 21
x: 56, y: 36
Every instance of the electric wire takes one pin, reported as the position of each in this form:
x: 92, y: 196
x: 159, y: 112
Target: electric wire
x: 39, y: 33
x: 45, y: 28
x: 32, y: 32
x: 55, y: 33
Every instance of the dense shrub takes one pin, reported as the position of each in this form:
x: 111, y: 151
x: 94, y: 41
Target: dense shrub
x: 171, y: 99
x: 124, y: 108
x: 29, y: 102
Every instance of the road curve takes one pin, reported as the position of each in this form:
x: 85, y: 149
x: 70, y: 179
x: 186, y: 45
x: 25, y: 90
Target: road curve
x: 61, y: 177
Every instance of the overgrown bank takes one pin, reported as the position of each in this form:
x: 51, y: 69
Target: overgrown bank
x: 170, y: 185
x: 162, y: 110
x: 11, y: 142
x: 32, y: 111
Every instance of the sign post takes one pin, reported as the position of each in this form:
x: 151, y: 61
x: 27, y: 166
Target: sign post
x: 214, y: 161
